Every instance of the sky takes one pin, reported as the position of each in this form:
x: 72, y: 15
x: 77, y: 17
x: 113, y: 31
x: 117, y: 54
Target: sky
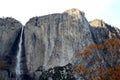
x: 23, y: 10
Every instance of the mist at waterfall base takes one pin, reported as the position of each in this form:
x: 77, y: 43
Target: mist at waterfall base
x: 17, y: 69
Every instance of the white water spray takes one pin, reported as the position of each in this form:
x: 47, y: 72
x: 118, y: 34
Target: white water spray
x: 18, y: 68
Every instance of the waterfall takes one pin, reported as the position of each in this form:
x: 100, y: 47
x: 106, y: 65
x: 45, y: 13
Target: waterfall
x: 18, y: 57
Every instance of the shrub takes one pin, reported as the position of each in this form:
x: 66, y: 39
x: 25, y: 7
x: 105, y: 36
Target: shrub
x: 94, y: 54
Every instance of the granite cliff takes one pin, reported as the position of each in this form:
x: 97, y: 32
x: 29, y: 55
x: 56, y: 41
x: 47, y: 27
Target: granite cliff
x: 9, y: 29
x: 53, y: 46
x: 101, y: 31
x: 52, y: 40
x: 9, y: 37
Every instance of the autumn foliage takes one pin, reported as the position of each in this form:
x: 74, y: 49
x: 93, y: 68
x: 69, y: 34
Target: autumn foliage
x: 103, y: 61
x: 80, y: 68
x: 112, y: 73
x: 113, y: 45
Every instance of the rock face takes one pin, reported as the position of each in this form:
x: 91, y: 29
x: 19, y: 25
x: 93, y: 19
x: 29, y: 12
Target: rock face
x: 53, y: 45
x: 9, y: 31
x: 54, y: 39
x: 101, y: 58
x: 101, y: 31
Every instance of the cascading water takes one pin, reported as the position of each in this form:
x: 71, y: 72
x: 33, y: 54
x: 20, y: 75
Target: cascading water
x: 18, y: 62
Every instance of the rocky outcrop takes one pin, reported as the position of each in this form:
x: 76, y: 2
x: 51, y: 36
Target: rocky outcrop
x: 54, y: 39
x: 101, y: 58
x: 9, y: 31
x: 101, y: 31
x: 56, y: 46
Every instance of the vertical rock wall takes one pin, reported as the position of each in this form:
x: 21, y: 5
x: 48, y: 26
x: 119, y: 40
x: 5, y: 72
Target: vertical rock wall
x: 54, y: 39
x: 9, y: 33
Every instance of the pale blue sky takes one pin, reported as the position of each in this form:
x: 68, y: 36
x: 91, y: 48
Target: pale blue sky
x: 22, y: 10
x: 111, y: 14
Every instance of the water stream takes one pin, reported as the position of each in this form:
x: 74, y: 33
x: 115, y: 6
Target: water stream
x: 18, y: 57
